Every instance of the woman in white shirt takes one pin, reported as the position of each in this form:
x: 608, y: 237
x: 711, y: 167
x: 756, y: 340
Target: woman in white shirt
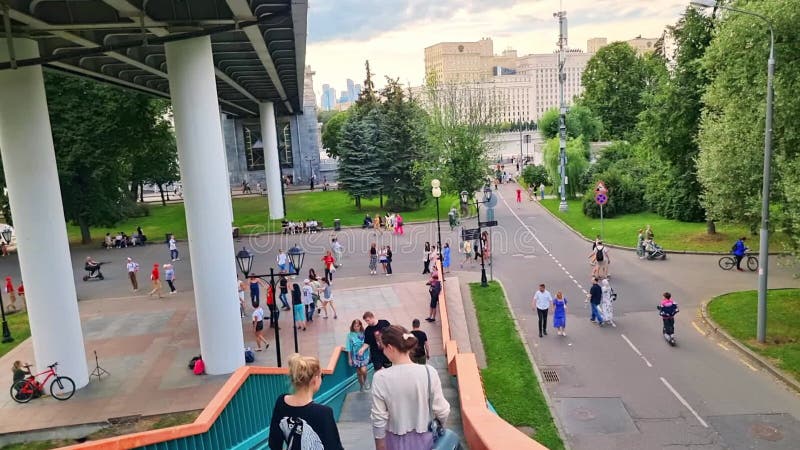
x: 400, y: 414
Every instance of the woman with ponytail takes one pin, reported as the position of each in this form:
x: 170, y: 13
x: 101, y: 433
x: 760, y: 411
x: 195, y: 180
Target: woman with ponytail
x: 401, y: 396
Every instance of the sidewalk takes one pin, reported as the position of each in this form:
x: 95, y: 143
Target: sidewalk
x: 147, y: 343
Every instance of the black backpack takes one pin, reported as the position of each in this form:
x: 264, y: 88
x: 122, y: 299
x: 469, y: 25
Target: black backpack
x: 599, y: 255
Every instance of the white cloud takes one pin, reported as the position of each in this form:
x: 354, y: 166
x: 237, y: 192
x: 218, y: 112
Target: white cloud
x: 528, y: 26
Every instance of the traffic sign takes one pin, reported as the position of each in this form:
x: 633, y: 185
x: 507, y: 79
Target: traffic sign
x: 601, y: 194
x: 601, y: 199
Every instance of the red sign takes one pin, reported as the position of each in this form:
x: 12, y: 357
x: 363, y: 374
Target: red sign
x: 600, y: 193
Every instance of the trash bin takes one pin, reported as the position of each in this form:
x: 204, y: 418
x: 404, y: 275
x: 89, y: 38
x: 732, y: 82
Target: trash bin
x: 337, y: 224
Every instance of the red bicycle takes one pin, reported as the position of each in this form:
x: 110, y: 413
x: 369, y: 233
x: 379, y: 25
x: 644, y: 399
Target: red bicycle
x: 61, y: 388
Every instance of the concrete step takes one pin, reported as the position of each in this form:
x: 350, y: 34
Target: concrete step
x: 355, y: 428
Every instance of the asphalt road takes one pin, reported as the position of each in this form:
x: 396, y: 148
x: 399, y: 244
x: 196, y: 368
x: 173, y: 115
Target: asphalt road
x: 624, y: 387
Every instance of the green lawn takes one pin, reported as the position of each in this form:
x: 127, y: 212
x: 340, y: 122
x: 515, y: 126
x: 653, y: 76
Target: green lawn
x: 736, y: 313
x: 18, y: 325
x: 509, y: 380
x: 670, y: 234
x: 251, y: 214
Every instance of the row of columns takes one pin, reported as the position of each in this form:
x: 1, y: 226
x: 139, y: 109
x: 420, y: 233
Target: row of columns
x: 28, y: 156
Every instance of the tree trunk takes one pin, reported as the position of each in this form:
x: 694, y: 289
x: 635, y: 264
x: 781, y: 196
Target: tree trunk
x: 86, y: 236
x: 381, y: 199
x: 161, y: 191
x: 141, y: 192
x: 358, y: 201
x: 134, y: 190
x: 711, y: 227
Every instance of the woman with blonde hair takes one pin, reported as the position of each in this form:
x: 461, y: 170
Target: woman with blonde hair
x: 297, y: 421
x: 406, y: 397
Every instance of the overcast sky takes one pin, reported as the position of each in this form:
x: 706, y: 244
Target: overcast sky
x: 393, y: 34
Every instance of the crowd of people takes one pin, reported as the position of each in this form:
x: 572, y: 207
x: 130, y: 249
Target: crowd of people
x: 301, y: 226
x: 122, y: 240
x: 391, y: 222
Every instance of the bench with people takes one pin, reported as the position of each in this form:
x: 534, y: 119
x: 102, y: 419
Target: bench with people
x: 301, y: 227
x: 122, y: 240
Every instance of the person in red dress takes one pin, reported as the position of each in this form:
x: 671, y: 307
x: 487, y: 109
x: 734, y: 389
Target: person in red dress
x: 519, y: 197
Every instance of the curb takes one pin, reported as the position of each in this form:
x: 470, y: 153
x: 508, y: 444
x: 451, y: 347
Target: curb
x: 633, y: 249
x: 559, y: 426
x: 787, y: 379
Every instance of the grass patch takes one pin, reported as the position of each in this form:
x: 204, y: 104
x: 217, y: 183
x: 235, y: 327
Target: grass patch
x: 737, y: 312
x: 251, y: 215
x: 509, y: 380
x: 670, y: 234
x: 20, y: 330
x: 136, y: 426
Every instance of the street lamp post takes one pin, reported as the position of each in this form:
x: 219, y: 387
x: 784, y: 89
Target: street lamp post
x: 6, y: 234
x: 436, y: 191
x: 487, y: 195
x: 244, y: 260
x: 763, y: 250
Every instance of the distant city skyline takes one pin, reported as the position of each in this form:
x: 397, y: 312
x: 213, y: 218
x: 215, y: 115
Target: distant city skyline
x: 342, y: 34
x: 330, y: 98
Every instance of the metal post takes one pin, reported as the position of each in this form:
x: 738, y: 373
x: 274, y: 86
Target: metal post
x: 601, y: 222
x: 273, y: 315
x: 439, y: 228
x: 562, y: 117
x: 520, y: 149
x: 763, y: 249
x: 6, y: 332
x: 484, y: 282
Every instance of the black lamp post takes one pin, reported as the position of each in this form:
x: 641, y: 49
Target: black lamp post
x: 487, y: 195
x: 244, y: 259
x: 436, y: 191
x: 6, y: 233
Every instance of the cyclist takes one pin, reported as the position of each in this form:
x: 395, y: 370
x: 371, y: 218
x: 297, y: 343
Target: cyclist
x: 738, y: 250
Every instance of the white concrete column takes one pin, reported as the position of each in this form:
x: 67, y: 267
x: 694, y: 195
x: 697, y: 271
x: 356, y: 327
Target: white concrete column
x: 29, y: 163
x: 206, y: 196
x: 272, y: 163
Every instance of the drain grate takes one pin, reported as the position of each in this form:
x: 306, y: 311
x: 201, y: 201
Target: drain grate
x: 550, y: 375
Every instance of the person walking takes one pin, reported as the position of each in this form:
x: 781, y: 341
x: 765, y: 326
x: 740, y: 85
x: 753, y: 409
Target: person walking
x: 446, y: 257
x: 282, y: 261
x: 405, y: 396
x: 601, y: 260
x: 255, y: 291
x: 329, y: 263
x: 373, y: 259
x: 434, y: 289
x: 133, y: 269
x: 327, y: 299
x: 338, y: 251
x: 519, y: 197
x: 372, y: 340
x: 297, y: 421
x: 467, y: 249
x: 560, y: 314
x: 155, y: 279
x: 357, y: 360
x: 389, y: 255
x: 12, y: 294
x: 169, y: 275
x: 606, y: 303
x: 399, y: 225
x: 542, y: 299
x: 258, y: 328
x: 173, y: 248
x: 640, y: 244
x: 308, y: 299
x: 283, y: 285
x: 241, y: 297
x: 422, y: 352
x: 426, y: 258
x: 595, y: 297
x: 298, y: 309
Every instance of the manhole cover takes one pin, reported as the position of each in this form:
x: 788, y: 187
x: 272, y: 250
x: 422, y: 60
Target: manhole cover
x: 583, y: 414
x: 550, y: 375
x: 766, y: 432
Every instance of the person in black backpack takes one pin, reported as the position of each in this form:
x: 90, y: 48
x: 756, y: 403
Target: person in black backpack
x: 599, y: 257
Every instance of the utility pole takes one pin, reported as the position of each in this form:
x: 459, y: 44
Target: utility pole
x: 562, y: 116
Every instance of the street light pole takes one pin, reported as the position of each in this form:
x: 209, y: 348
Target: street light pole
x: 562, y: 116
x: 763, y: 245
x: 436, y: 191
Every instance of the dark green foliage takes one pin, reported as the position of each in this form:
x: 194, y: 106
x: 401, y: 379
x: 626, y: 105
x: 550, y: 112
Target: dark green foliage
x: 331, y: 133
x: 577, y: 162
x: 580, y: 122
x: 613, y: 83
x: 623, y: 172
x: 535, y: 176
x: 359, y: 166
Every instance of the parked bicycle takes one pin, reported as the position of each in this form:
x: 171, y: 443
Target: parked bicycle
x: 728, y: 262
x: 61, y: 388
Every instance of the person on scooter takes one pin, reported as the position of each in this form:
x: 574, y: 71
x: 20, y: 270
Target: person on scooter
x: 91, y: 266
x: 667, y: 309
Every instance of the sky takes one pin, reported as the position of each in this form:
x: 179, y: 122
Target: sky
x: 393, y: 34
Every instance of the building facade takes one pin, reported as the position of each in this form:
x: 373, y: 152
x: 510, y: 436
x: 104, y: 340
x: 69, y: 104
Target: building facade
x: 640, y: 44
x: 460, y: 62
x: 595, y: 44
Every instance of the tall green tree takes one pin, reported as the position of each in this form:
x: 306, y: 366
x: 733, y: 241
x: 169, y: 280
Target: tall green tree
x: 669, y: 124
x: 577, y: 162
x: 95, y: 128
x: 359, y: 168
x: 331, y: 133
x: 613, y: 83
x: 580, y: 122
x: 731, y: 135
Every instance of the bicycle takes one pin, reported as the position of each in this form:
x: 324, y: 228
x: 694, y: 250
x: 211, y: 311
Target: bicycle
x: 61, y: 388
x: 728, y: 262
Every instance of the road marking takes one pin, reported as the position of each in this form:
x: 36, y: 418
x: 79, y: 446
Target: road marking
x: 572, y: 278
x: 722, y: 345
x: 750, y: 366
x: 699, y: 330
x: 529, y: 256
x: 685, y: 403
x: 636, y: 350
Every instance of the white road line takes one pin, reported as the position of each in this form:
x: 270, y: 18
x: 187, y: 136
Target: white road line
x: 748, y: 365
x: 696, y: 327
x: 685, y: 403
x: 572, y: 278
x: 636, y: 350
x: 526, y: 227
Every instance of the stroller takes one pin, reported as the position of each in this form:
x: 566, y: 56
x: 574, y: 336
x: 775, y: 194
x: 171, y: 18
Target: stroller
x: 654, y: 251
x: 94, y: 272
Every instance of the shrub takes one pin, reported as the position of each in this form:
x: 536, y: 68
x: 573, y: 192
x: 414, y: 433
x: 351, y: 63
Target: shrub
x: 625, y: 194
x: 535, y: 175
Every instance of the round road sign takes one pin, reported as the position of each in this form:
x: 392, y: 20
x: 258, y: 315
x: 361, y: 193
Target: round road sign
x: 601, y: 199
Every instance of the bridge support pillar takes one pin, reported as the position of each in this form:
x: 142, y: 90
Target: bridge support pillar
x: 272, y: 165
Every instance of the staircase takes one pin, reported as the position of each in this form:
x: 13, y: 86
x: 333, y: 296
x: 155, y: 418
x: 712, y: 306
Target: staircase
x: 354, y: 423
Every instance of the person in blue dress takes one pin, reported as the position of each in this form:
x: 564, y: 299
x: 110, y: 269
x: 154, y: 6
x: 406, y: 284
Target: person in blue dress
x: 560, y: 314
x: 446, y: 257
x: 354, y: 343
